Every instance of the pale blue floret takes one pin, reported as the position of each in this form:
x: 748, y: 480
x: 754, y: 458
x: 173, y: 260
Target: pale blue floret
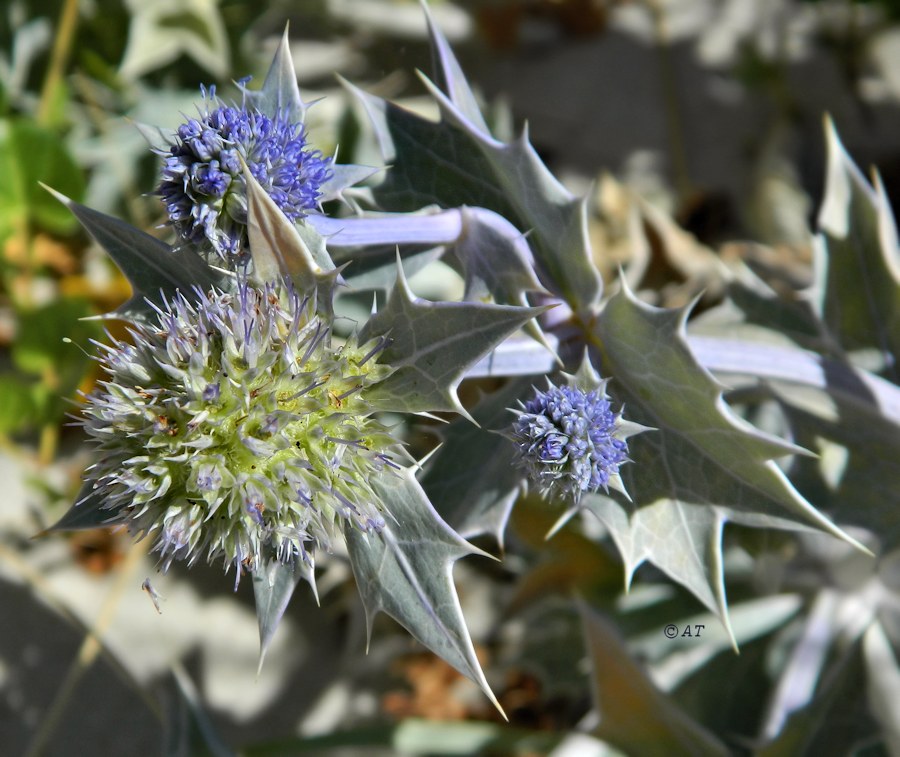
x: 567, y: 441
x: 202, y: 182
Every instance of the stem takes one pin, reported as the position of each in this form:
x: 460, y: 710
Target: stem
x: 59, y: 58
x: 740, y: 357
x: 517, y: 357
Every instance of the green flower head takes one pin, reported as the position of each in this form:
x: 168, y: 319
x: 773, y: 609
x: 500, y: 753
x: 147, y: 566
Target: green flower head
x: 232, y: 428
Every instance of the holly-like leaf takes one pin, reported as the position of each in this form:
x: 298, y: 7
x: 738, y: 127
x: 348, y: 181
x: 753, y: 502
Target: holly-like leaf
x: 449, y: 75
x: 496, y: 260
x: 155, y: 270
x: 681, y: 539
x: 406, y: 571
x: 273, y: 587
x: 857, y: 264
x: 472, y: 480
x: 701, y: 466
x: 431, y: 346
x: 456, y: 162
x: 634, y: 715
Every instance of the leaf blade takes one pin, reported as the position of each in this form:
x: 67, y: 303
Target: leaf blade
x: 406, y: 572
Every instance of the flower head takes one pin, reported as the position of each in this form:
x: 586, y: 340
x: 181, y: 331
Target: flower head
x: 570, y: 441
x: 202, y: 182
x: 232, y: 428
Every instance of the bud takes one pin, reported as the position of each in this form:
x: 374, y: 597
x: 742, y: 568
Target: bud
x: 569, y: 441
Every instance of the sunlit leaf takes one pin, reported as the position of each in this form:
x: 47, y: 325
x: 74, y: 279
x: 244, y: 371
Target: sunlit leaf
x: 701, y: 467
x: 456, y: 162
x: 406, y: 571
x: 431, y: 346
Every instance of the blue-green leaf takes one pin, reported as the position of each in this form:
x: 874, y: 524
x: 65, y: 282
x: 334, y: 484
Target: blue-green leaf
x: 456, y: 162
x: 449, y: 75
x: 406, y: 571
x: 700, y: 467
x: 154, y: 269
x: 431, y: 346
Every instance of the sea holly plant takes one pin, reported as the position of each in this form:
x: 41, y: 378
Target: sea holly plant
x: 234, y: 425
x: 241, y: 423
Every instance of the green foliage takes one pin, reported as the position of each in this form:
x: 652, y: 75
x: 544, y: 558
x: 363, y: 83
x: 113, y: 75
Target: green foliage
x: 30, y: 154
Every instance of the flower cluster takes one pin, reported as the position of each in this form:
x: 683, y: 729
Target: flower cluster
x: 232, y: 427
x: 202, y: 182
x: 569, y: 441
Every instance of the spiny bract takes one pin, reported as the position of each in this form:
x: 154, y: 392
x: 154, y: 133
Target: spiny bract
x: 202, y: 182
x: 232, y: 427
x: 569, y: 441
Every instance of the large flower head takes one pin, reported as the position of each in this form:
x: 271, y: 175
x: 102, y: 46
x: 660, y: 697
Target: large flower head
x: 570, y: 441
x: 202, y: 182
x: 232, y: 428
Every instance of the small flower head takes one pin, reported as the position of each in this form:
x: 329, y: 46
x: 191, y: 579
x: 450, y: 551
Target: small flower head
x: 232, y: 428
x: 202, y: 182
x: 570, y: 441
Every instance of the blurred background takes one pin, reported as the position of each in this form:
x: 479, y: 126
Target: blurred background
x: 709, y: 111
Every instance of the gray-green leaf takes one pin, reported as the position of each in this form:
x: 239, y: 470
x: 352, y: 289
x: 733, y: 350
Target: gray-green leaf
x: 155, y: 270
x: 701, y: 466
x: 406, y: 572
x: 472, y: 479
x: 456, y: 162
x: 432, y: 344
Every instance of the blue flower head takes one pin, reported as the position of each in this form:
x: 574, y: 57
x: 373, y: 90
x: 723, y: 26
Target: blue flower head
x: 569, y: 439
x: 202, y: 182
